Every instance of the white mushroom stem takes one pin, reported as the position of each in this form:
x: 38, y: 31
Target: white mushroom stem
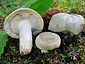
x: 71, y: 35
x: 25, y: 36
x: 44, y: 51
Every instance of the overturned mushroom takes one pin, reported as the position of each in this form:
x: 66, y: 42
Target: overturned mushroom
x: 72, y: 23
x: 47, y: 41
x: 20, y: 24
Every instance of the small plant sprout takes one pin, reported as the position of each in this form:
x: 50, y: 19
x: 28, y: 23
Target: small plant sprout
x: 21, y: 24
x: 73, y: 55
x: 47, y: 41
x: 61, y: 22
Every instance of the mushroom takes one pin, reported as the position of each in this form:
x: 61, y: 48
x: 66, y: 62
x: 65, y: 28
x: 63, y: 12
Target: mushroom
x: 72, y: 23
x: 47, y: 41
x: 20, y: 24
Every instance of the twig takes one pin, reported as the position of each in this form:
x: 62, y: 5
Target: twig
x: 57, y: 55
x: 63, y: 42
x: 2, y: 17
x: 80, y: 43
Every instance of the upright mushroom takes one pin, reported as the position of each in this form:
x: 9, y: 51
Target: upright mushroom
x: 72, y: 23
x: 20, y: 24
x: 47, y: 41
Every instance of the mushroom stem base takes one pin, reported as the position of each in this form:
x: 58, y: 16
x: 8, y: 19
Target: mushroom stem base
x: 44, y: 51
x: 25, y: 35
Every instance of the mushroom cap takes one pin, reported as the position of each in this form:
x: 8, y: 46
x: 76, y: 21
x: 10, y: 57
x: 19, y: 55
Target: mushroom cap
x: 13, y: 19
x: 72, y: 23
x: 47, y: 41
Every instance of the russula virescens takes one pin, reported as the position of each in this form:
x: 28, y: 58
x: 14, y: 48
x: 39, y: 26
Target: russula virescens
x: 72, y: 23
x: 47, y: 41
x: 21, y: 23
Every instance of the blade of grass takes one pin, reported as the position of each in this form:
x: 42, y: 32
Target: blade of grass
x: 3, y: 12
